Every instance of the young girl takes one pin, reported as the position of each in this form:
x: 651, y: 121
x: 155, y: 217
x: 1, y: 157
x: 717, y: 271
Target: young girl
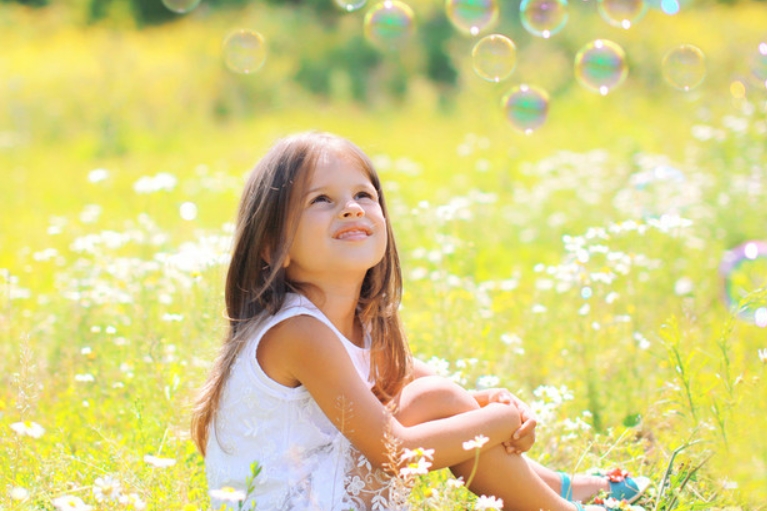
x: 315, y: 380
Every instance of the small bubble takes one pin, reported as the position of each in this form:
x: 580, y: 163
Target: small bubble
x: 759, y: 65
x: 744, y: 270
x: 526, y: 107
x: 389, y: 24
x: 670, y: 7
x: 494, y: 57
x: 244, y: 51
x: 601, y: 66
x: 350, y: 5
x: 472, y: 16
x: 684, y: 67
x: 543, y: 18
x: 622, y: 13
x: 181, y: 6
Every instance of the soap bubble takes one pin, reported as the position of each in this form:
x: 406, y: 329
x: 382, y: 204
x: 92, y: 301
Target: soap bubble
x: 684, y: 67
x: 389, y: 24
x: 622, y: 13
x: 181, y: 6
x: 494, y: 57
x: 526, y: 107
x: 351, y: 5
x: 543, y: 18
x: 670, y: 7
x: 744, y: 273
x: 601, y: 66
x: 244, y: 51
x: 759, y: 65
x: 472, y: 16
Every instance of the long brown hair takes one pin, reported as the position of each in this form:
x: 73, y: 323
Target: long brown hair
x: 256, y: 283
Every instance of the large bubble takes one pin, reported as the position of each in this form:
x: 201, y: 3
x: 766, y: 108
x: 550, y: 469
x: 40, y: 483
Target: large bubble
x: 601, y: 66
x: 472, y: 16
x: 744, y: 273
x: 543, y: 18
x: 622, y: 13
x: 684, y: 67
x: 389, y: 24
x: 181, y: 6
x: 759, y: 65
x: 351, y: 5
x: 494, y: 57
x: 244, y: 51
x: 526, y: 107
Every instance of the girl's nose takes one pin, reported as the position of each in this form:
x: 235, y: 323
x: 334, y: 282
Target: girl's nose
x: 352, y: 209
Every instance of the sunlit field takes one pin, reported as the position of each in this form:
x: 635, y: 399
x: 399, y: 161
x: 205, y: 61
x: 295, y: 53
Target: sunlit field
x: 609, y: 268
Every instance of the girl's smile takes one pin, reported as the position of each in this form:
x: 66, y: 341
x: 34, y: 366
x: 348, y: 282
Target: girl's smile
x: 354, y: 232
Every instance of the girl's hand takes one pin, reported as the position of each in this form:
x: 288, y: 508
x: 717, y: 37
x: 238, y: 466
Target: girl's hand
x: 524, y: 438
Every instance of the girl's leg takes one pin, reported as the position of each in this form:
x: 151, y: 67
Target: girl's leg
x: 506, y: 476
x: 583, y: 486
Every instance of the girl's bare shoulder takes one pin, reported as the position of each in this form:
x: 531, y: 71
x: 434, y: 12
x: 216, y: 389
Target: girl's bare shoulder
x: 292, y: 343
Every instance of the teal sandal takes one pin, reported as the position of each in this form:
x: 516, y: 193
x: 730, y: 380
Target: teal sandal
x: 622, y: 485
x: 625, y: 487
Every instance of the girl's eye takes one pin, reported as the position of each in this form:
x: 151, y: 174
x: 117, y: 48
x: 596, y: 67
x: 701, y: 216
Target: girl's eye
x: 320, y: 198
x: 365, y: 195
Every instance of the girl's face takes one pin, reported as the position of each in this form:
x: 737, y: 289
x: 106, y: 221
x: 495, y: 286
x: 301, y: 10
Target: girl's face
x: 341, y: 228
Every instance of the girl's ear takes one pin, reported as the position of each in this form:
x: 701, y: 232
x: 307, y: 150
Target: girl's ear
x: 286, y: 263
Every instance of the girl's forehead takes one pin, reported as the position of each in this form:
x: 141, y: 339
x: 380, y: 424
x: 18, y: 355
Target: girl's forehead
x: 334, y: 164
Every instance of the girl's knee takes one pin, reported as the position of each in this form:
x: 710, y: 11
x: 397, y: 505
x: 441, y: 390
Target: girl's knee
x: 432, y: 398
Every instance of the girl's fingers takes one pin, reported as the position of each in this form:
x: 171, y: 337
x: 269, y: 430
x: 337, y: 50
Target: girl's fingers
x: 528, y: 426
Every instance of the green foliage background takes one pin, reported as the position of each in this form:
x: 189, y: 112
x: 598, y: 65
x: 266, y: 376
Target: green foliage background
x: 98, y: 279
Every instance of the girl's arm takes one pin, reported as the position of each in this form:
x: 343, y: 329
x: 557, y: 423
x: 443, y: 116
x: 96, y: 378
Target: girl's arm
x: 303, y: 351
x: 524, y: 438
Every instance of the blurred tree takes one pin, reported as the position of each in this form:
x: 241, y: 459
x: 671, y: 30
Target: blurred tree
x: 145, y: 12
x: 326, y: 10
x: 31, y: 3
x: 435, y: 34
x: 314, y: 76
x: 358, y: 59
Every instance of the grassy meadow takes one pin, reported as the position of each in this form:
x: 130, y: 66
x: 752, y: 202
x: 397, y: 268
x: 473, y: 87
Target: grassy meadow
x: 562, y: 264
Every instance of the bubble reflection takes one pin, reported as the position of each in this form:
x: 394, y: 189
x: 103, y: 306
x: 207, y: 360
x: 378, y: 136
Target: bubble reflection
x: 744, y: 274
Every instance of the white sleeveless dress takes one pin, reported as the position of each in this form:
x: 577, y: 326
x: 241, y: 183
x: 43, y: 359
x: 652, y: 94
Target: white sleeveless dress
x: 307, y: 464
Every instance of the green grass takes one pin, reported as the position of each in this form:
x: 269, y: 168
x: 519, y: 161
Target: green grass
x: 94, y: 283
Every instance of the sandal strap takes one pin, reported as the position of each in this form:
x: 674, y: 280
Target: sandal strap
x: 567, y: 488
